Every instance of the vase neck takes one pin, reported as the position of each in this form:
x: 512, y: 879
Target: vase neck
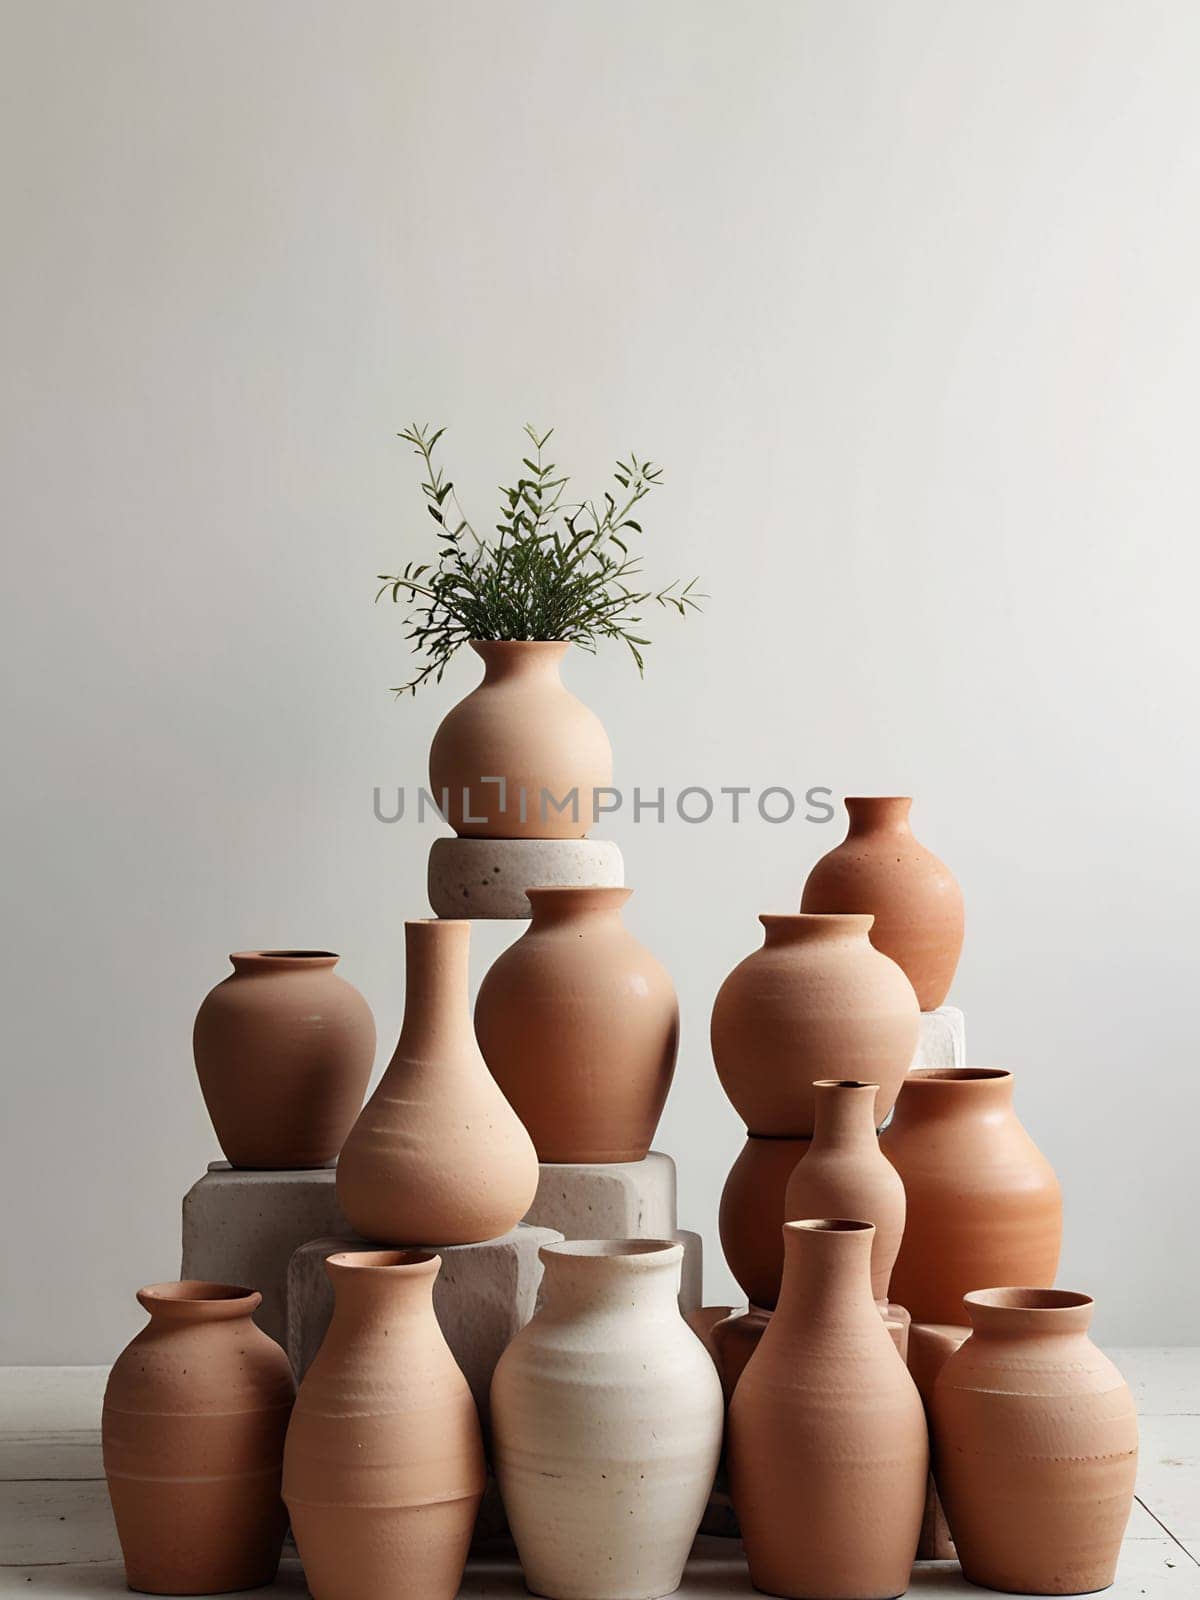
x: 811, y: 927
x: 376, y: 1292
x: 1028, y: 1313
x: 507, y: 659
x: 591, y: 905
x: 437, y: 1009
x: 826, y: 1272
x: 253, y: 961
x: 611, y: 1277
x: 877, y: 814
x: 941, y: 1093
x: 844, y: 1114
x: 192, y: 1300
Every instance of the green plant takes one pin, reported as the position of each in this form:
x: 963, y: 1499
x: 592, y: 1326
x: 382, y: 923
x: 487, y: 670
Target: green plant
x: 558, y: 570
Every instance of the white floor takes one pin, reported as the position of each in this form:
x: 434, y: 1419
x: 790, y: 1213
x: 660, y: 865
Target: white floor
x: 57, y: 1536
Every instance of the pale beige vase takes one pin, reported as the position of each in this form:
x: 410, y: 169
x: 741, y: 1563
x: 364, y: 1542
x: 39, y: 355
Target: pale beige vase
x: 437, y: 1156
x: 1035, y: 1446
x: 606, y: 1421
x: 520, y: 757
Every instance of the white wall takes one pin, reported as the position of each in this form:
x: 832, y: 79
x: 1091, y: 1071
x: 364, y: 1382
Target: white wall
x: 905, y: 298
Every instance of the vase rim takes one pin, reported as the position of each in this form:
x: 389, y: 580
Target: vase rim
x: 286, y: 958
x: 198, y: 1299
x: 817, y: 921
x: 640, y: 1254
x: 919, y: 1075
x: 404, y: 1263
x: 827, y: 1225
x: 615, y: 894
x: 878, y: 800
x: 482, y: 646
x: 1027, y: 1300
x: 844, y: 1083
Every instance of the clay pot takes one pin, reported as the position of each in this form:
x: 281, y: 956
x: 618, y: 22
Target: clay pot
x: 753, y: 1210
x: 845, y: 1174
x: 827, y: 1447
x: 438, y: 1154
x: 524, y: 726
x: 1035, y: 1445
x: 703, y: 1321
x: 606, y: 1420
x: 579, y: 1025
x: 195, y: 1414
x: 816, y: 995
x: 984, y: 1205
x: 917, y: 905
x: 734, y: 1340
x: 383, y: 1470
x: 284, y: 1050
x: 930, y: 1345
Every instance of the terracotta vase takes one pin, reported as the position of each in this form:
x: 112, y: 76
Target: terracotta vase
x: 827, y: 1447
x: 753, y: 1211
x: 606, y: 1421
x: 383, y: 1471
x: 734, y: 1340
x: 845, y: 1174
x: 1035, y: 1446
x: 817, y: 994
x: 917, y: 905
x: 984, y: 1206
x: 930, y: 1346
x: 195, y: 1414
x: 284, y: 1049
x: 523, y: 726
x: 579, y: 1025
x: 438, y: 1156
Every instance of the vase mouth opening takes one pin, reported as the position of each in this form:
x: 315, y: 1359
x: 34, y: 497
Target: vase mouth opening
x: 844, y: 1083
x: 957, y: 1075
x: 284, y: 958
x: 816, y: 924
x: 878, y: 800
x: 829, y: 1225
x: 411, y: 1263
x: 633, y: 1252
x: 502, y: 645
x: 197, y: 1299
x: 1049, y: 1300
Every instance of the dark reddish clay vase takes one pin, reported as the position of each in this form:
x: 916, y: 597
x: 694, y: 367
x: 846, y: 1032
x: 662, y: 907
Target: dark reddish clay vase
x: 753, y: 1212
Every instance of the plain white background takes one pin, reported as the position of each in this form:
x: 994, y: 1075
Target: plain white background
x: 905, y: 298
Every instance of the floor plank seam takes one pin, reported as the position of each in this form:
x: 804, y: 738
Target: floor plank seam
x: 1174, y: 1539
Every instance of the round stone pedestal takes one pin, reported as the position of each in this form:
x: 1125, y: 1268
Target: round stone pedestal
x: 488, y: 878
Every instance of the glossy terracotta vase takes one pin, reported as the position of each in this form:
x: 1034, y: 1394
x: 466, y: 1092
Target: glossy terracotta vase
x: 917, y: 905
x: 579, y: 1025
x: 438, y: 1155
x: 383, y: 1471
x: 818, y: 995
x: 753, y: 1211
x: 195, y: 1414
x: 606, y: 1422
x: 524, y: 726
x: 930, y: 1346
x: 984, y: 1206
x: 1035, y: 1446
x: 827, y: 1447
x: 845, y: 1174
x: 284, y: 1050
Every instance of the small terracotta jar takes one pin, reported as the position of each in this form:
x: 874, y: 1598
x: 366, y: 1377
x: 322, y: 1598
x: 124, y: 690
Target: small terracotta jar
x: 579, y: 1024
x: 1035, y: 1445
x: 195, y: 1414
x: 917, y: 905
x: 930, y: 1346
x: 816, y: 995
x: 845, y: 1174
x: 383, y: 1471
x: 827, y: 1447
x: 438, y: 1155
x: 753, y: 1211
x: 606, y: 1424
x: 284, y: 1050
x: 984, y: 1205
x: 520, y: 757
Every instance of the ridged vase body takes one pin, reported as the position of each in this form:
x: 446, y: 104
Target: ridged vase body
x: 284, y: 1050
x: 1035, y: 1446
x: 915, y: 899
x: 606, y: 1421
x: 984, y: 1206
x: 816, y: 997
x: 383, y: 1471
x: 438, y: 1156
x: 195, y: 1414
x: 579, y: 1025
x: 523, y: 726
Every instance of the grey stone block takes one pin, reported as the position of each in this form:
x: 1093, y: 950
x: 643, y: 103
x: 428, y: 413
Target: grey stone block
x: 607, y: 1200
x: 943, y: 1039
x: 487, y: 878
x: 242, y: 1227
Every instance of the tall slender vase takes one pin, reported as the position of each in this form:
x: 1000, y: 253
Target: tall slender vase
x: 383, y: 1470
x: 916, y: 902
x: 195, y: 1414
x: 579, y: 1024
x: 845, y: 1174
x: 817, y: 993
x: 984, y: 1206
x: 438, y: 1156
x: 520, y: 757
x: 1035, y: 1446
x: 827, y: 1447
x: 606, y: 1422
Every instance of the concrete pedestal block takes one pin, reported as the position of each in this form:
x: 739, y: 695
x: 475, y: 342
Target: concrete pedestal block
x: 484, y: 1295
x: 942, y: 1041
x: 488, y: 878
x: 243, y: 1227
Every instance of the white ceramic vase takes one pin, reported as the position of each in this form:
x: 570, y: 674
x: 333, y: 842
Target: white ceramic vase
x: 606, y: 1418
